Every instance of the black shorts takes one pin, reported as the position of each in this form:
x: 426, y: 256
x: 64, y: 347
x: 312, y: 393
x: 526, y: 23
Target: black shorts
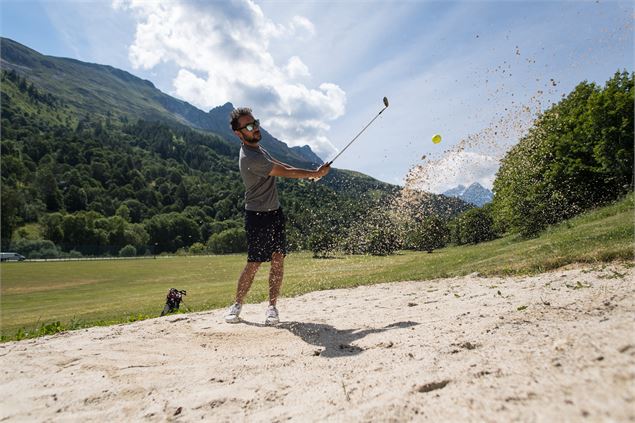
x: 265, y: 234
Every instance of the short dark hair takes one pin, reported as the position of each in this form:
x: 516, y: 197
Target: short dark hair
x: 236, y: 114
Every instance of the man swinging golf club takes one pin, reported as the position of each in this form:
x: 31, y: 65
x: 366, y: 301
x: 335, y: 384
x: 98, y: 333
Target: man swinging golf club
x: 264, y: 219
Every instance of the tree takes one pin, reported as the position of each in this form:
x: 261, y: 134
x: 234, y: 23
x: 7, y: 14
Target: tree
x: 229, y: 241
x: 49, y: 191
x: 124, y: 212
x: 377, y: 234
x: 171, y: 231
x: 182, y: 195
x: 322, y: 242
x: 612, y: 119
x: 578, y: 155
x: 428, y: 234
x: 100, y: 171
x: 114, y: 229
x: 81, y: 234
x: 75, y: 199
x: 11, y: 205
x: 474, y: 226
x: 52, y: 228
x: 136, y: 235
x: 136, y: 210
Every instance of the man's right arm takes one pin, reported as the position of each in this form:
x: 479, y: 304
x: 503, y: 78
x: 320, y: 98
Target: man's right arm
x: 293, y: 172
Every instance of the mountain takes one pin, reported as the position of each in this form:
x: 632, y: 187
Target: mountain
x: 102, y: 90
x: 474, y: 194
x: 455, y: 192
x: 218, y: 122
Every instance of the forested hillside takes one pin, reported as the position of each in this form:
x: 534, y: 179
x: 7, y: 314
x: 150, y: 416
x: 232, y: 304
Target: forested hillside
x: 97, y: 161
x: 106, y: 92
x: 578, y: 155
x: 79, y: 179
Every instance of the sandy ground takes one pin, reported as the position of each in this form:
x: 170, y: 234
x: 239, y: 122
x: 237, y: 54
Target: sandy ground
x: 554, y: 347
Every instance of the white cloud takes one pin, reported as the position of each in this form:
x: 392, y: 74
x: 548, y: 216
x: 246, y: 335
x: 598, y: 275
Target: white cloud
x: 223, y: 52
x: 302, y: 27
x: 296, y: 68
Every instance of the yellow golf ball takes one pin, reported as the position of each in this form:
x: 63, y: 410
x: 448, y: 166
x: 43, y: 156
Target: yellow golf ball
x: 436, y: 139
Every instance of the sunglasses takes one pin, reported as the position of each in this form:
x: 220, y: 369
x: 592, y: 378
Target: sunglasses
x: 251, y: 126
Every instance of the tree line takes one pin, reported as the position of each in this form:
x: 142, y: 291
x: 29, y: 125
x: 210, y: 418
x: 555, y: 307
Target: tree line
x: 578, y: 155
x: 77, y: 184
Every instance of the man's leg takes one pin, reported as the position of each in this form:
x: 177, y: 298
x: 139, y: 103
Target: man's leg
x: 275, y: 277
x: 245, y: 280
x: 244, y: 283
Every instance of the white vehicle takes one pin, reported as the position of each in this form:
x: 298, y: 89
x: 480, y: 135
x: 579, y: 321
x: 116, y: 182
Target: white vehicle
x: 11, y: 257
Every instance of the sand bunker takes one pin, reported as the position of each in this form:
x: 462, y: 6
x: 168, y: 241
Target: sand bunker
x: 553, y: 347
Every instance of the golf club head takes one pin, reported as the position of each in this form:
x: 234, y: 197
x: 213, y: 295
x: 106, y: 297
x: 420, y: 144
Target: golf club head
x: 386, y: 101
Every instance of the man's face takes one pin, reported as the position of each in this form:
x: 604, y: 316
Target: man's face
x: 245, y: 134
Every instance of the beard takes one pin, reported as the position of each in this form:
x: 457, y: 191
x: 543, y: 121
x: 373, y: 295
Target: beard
x: 253, y: 138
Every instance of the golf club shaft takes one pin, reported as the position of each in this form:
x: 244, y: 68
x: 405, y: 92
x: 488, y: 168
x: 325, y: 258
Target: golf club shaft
x: 357, y: 136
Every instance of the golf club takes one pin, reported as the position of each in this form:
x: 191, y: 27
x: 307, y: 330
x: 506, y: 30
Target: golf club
x: 360, y: 132
x: 356, y: 136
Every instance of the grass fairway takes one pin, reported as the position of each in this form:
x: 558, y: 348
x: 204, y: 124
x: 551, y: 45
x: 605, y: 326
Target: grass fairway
x: 35, y: 295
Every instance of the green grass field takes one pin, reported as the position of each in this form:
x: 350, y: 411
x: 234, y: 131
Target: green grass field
x: 37, y: 295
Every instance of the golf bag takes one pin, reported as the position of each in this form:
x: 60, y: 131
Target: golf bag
x: 173, y: 300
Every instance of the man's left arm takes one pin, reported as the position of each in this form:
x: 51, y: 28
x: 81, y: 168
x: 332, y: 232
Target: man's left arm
x: 274, y: 161
x: 278, y: 162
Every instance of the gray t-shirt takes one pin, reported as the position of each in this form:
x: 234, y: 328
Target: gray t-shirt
x: 261, y: 193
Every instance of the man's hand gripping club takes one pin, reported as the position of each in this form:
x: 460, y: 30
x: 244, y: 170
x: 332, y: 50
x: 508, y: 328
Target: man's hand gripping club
x: 287, y: 171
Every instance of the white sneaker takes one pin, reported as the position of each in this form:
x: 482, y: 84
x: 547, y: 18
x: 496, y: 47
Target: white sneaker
x: 233, y: 314
x: 271, y: 316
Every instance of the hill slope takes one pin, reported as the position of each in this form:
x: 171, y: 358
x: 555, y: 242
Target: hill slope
x: 104, y: 91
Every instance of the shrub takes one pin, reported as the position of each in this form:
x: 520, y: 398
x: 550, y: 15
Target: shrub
x: 197, y: 248
x: 74, y: 254
x: 128, y: 251
x: 37, y: 249
x: 228, y: 241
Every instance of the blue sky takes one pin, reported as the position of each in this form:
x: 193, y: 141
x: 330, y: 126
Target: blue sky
x: 315, y: 72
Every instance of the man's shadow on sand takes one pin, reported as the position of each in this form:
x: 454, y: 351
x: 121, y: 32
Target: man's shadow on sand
x: 335, y: 342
